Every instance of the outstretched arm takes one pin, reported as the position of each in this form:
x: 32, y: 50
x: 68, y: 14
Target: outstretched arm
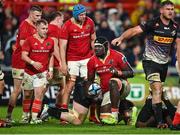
x: 127, y: 34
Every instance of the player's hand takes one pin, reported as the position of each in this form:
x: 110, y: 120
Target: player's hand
x: 64, y: 70
x: 116, y: 42
x: 49, y: 75
x: 37, y: 65
x: 114, y: 71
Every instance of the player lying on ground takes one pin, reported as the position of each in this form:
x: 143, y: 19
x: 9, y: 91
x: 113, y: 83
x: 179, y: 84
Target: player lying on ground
x: 146, y: 116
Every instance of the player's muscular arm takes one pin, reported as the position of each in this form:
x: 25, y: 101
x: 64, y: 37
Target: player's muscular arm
x: 127, y: 34
x: 127, y: 72
x: 25, y: 57
x: 63, y: 47
x: 50, y: 70
x: 93, y: 37
x: 56, y: 50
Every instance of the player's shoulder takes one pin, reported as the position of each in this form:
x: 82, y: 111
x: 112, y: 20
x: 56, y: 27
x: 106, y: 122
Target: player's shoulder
x: 89, y: 20
x: 24, y: 23
x: 116, y: 53
x: 68, y: 22
x: 92, y: 58
x: 174, y: 24
x: 30, y: 38
x: 155, y: 21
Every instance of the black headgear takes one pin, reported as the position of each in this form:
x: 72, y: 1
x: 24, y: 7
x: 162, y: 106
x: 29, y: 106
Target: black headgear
x: 102, y: 41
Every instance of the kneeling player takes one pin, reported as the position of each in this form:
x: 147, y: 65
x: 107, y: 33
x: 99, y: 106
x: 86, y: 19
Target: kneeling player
x: 113, y: 70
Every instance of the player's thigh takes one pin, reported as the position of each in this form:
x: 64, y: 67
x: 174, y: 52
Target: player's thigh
x: 80, y: 111
x: 58, y: 78
x: 83, y: 67
x: 27, y: 82
x: 17, y: 73
x: 73, y: 67
x: 151, y: 70
x: 125, y: 89
x: 40, y: 80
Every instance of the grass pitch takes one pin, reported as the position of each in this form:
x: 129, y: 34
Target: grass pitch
x: 53, y: 127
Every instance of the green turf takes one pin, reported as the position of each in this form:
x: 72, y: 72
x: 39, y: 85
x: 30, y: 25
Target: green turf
x: 53, y: 127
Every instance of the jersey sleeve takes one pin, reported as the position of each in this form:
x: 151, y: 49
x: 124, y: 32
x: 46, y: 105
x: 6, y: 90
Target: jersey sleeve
x: 147, y: 26
x: 64, y: 33
x: 26, y: 46
x: 122, y: 62
x: 90, y: 67
x: 23, y: 32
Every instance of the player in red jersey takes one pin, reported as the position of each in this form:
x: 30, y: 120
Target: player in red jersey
x: 37, y: 52
x: 113, y: 70
x: 76, y: 40
x: 54, y: 29
x: 26, y: 29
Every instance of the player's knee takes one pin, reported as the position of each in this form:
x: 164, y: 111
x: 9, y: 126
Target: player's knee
x: 27, y: 94
x: 115, y: 84
x: 77, y: 122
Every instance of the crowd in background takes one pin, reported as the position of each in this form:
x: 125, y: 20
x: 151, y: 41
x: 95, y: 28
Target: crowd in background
x: 109, y: 22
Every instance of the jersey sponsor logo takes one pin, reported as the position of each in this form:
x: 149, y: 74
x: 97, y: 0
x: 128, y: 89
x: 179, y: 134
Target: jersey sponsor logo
x: 110, y: 61
x: 174, y: 26
x: 48, y: 44
x: 36, y: 43
x: 166, y: 28
x: 124, y: 59
x: 41, y: 51
x: 88, y: 27
x: 160, y: 39
x: 160, y: 32
x: 83, y: 35
x: 173, y: 33
x: 157, y: 24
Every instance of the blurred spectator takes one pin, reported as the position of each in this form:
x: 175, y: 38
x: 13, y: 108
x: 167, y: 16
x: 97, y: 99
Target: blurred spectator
x: 10, y: 15
x: 2, y: 17
x: 133, y: 56
x: 7, y: 32
x: 123, y: 16
x: 47, y: 10
x: 97, y: 18
x: 105, y: 31
x: 114, y: 23
x: 137, y: 12
x: 8, y: 53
